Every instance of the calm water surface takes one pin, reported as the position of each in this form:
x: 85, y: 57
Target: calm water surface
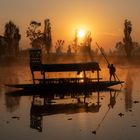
x: 100, y: 115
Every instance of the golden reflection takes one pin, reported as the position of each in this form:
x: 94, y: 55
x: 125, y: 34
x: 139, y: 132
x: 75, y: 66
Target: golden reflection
x: 69, y: 104
x: 128, y: 92
x: 12, y: 103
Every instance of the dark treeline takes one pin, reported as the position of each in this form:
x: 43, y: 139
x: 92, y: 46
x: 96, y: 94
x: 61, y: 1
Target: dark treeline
x: 9, y: 42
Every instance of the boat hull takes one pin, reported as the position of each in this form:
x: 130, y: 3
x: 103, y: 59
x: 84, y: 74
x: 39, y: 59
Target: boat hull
x: 66, y: 86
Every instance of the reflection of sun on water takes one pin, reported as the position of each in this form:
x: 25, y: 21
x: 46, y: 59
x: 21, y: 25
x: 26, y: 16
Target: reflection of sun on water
x: 80, y: 75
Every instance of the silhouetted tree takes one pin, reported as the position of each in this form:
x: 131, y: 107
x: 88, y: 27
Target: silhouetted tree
x: 87, y: 43
x: 16, y: 39
x: 75, y: 41
x: 136, y: 48
x: 35, y: 34
x: 59, y: 46
x: 69, y: 50
x: 12, y: 36
x: 3, y: 46
x: 120, y: 48
x: 128, y: 44
x: 40, y: 39
x: 47, y: 35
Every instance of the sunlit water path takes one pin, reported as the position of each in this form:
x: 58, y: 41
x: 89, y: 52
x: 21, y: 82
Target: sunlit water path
x: 100, y: 115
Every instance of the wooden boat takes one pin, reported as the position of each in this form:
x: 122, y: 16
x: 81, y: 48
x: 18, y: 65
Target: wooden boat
x: 80, y: 86
x: 63, y: 83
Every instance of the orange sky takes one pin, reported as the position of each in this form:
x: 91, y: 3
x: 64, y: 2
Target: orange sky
x: 104, y: 18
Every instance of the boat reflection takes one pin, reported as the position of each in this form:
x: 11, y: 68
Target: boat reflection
x: 65, y: 104
x: 12, y: 103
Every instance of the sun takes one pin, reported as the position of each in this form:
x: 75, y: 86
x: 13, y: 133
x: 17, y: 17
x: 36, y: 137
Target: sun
x: 81, y: 33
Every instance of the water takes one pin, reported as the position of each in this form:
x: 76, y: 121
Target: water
x: 94, y: 117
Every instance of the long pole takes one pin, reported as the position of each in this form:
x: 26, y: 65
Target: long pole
x: 97, y: 128
x: 102, y: 53
x: 106, y: 59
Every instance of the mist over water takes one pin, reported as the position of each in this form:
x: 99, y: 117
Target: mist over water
x: 111, y: 114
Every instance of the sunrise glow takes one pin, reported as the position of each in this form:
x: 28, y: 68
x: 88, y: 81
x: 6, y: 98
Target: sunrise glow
x: 69, y: 69
x: 81, y: 33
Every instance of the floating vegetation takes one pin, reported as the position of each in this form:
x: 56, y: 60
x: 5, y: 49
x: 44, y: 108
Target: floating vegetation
x: 133, y: 126
x: 94, y: 132
x: 136, y: 102
x: 121, y: 114
x: 69, y: 118
x: 15, y: 117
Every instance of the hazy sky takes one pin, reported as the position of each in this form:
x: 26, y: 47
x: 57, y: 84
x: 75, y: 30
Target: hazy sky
x: 104, y: 18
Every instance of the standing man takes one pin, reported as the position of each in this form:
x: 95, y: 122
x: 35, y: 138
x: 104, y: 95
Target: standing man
x: 112, y: 71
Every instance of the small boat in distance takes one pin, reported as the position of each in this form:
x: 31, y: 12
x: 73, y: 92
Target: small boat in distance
x: 45, y: 83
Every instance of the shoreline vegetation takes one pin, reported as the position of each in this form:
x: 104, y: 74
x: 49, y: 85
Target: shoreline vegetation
x: 80, y: 50
x: 23, y: 59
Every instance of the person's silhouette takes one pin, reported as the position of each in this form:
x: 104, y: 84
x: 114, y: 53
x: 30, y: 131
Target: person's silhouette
x: 112, y: 99
x: 112, y: 71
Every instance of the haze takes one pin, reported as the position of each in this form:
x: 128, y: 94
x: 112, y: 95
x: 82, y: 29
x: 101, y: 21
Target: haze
x: 104, y: 18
